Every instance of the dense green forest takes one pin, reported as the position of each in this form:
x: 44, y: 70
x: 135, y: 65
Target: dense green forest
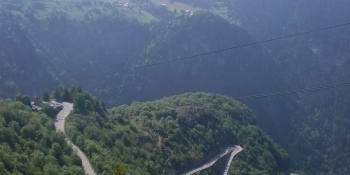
x: 319, y: 132
x: 29, y: 143
x: 175, y: 134
x: 45, y: 42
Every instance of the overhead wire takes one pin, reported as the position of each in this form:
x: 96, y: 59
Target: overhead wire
x: 334, y: 86
x: 186, y: 57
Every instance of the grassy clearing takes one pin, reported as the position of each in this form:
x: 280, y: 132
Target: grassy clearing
x: 176, y: 5
x: 140, y: 15
x: 221, y: 10
x: 75, y: 10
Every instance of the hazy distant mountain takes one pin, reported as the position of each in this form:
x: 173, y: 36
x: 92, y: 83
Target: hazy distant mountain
x: 48, y: 42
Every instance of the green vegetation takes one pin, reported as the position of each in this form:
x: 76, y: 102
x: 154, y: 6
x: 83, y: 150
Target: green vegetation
x: 118, y: 169
x: 83, y: 102
x: 318, y: 134
x: 25, y: 99
x: 85, y: 10
x: 45, y: 96
x: 49, y: 41
x: 175, y: 134
x: 312, y: 127
x: 30, y: 145
x: 49, y: 110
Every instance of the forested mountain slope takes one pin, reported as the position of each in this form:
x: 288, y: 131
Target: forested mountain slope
x: 238, y: 72
x: 175, y: 134
x: 320, y: 121
x: 218, y: 72
x: 49, y: 41
x: 29, y: 143
x: 320, y: 129
x: 21, y: 64
x: 63, y: 47
x: 59, y: 47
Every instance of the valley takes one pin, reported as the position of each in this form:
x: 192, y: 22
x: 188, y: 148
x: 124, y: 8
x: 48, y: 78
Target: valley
x: 91, y: 46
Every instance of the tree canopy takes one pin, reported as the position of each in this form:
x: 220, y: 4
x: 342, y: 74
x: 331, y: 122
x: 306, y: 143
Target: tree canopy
x: 176, y: 134
x: 29, y: 143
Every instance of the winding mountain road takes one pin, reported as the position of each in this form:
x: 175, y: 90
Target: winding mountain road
x: 213, y: 160
x: 59, y: 124
x: 68, y: 107
x: 236, y: 150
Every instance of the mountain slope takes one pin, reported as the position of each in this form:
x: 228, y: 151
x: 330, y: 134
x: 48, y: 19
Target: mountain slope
x: 58, y: 47
x: 319, y: 128
x: 175, y: 134
x: 238, y: 72
x: 318, y: 121
x: 29, y: 143
x: 58, y: 41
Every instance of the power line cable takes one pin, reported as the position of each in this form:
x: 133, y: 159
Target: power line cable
x: 294, y: 91
x: 187, y: 57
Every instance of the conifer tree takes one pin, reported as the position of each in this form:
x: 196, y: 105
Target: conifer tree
x: 55, y: 94
x: 45, y: 96
x: 118, y: 169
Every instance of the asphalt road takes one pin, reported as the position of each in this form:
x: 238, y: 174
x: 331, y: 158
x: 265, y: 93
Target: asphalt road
x: 59, y: 123
x: 213, y: 160
x: 233, y: 154
x: 61, y: 116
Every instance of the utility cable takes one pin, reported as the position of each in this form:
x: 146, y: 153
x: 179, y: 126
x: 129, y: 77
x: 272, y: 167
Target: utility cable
x: 294, y: 91
x: 188, y: 57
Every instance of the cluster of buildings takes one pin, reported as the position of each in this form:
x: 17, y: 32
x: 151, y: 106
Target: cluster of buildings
x: 188, y: 13
x: 124, y: 4
x: 127, y: 4
x: 37, y: 103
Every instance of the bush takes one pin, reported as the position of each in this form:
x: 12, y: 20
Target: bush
x: 49, y: 110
